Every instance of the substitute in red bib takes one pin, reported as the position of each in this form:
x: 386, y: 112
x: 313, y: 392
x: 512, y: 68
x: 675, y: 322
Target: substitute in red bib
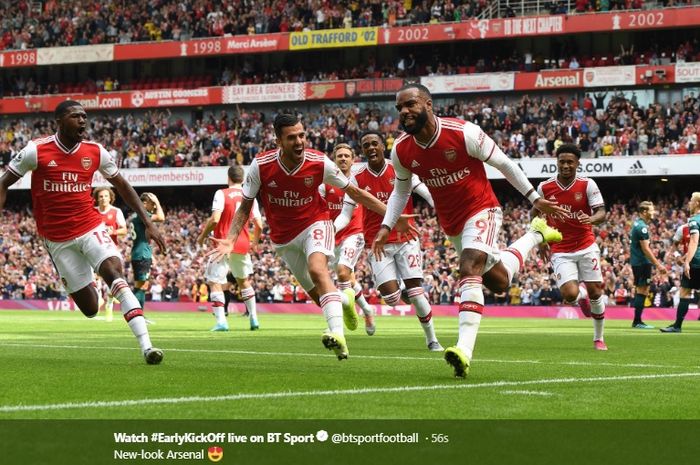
x: 74, y: 234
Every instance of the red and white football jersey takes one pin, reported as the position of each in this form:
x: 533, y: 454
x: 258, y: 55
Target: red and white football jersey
x: 334, y: 198
x: 682, y: 237
x: 291, y: 199
x: 227, y: 202
x: 113, y: 218
x: 582, y: 196
x: 451, y: 164
x: 380, y: 186
x: 62, y: 185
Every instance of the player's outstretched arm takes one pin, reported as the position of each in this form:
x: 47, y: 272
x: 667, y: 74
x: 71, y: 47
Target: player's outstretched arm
x: 132, y: 200
x: 223, y: 247
x: 6, y: 180
x: 345, y: 216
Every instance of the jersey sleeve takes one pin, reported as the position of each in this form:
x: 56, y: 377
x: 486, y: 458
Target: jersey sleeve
x: 108, y: 166
x: 644, y: 233
x: 346, y: 197
x: 217, y: 204
x: 121, y: 222
x: 399, y: 195
x: 322, y: 190
x: 25, y: 160
x: 251, y: 184
x: 539, y: 190
x: 333, y: 176
x: 255, y: 211
x: 595, y: 198
x: 693, y: 226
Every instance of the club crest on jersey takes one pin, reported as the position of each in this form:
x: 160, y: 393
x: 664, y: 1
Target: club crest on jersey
x: 86, y: 162
x: 578, y: 196
x: 309, y: 181
x: 450, y: 154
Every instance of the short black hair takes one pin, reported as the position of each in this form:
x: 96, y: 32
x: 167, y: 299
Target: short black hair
x: 235, y: 174
x: 283, y: 120
x: 417, y: 85
x: 63, y: 107
x: 569, y: 148
x: 371, y: 132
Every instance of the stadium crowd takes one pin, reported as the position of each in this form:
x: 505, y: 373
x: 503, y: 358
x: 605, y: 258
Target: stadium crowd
x: 27, y: 272
x: 27, y: 25
x: 529, y: 127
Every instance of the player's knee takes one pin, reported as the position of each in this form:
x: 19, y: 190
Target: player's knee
x: 344, y: 273
x: 89, y: 311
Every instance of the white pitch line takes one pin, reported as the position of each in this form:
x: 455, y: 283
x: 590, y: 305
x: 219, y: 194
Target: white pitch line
x: 529, y: 393
x: 341, y: 392
x: 368, y: 357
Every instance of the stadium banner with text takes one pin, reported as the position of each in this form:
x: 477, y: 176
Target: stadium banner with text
x: 333, y: 38
x: 202, y: 47
x: 688, y: 72
x: 116, y: 100
x: 463, y: 83
x: 363, y: 87
x: 475, y: 29
x: 553, y: 79
x: 77, y: 54
x: 325, y: 90
x: 340, y: 441
x: 605, y: 76
x: 283, y: 92
x: 534, y: 168
x: 563, y: 312
x: 610, y: 167
x: 655, y: 74
x: 17, y: 58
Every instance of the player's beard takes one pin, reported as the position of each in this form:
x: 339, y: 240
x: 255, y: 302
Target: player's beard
x: 420, y: 120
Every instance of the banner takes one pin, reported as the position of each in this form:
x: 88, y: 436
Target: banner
x: 687, y: 72
x: 364, y: 87
x: 17, y: 58
x: 607, y: 76
x: 462, y: 83
x: 554, y: 79
x: 610, y: 167
x: 284, y: 92
x: 655, y: 74
x: 78, y: 54
x: 115, y: 100
x: 534, y: 168
x: 333, y: 38
x: 325, y: 90
x: 202, y: 47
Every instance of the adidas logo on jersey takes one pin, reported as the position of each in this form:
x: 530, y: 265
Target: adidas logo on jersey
x: 272, y: 184
x: 52, y: 163
x: 414, y: 164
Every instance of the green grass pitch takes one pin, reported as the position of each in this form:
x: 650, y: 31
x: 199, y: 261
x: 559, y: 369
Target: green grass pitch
x: 59, y: 365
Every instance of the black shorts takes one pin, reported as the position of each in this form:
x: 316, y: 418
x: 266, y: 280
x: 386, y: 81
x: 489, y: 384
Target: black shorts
x: 141, y: 269
x: 642, y: 275
x: 694, y: 281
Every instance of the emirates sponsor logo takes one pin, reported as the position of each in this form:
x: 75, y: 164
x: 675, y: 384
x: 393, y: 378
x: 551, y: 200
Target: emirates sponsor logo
x: 442, y: 177
x: 565, y: 80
